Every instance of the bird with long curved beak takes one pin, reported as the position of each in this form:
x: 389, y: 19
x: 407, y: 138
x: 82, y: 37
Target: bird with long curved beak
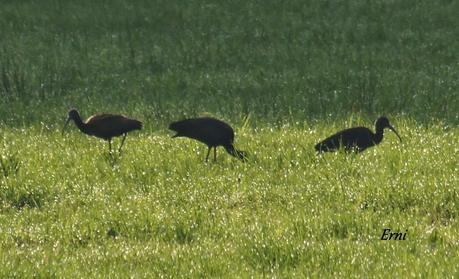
x: 211, y: 131
x: 104, y: 126
x: 357, y: 138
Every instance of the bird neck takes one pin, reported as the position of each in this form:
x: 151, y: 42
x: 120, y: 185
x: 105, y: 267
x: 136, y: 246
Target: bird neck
x: 235, y: 153
x: 378, y: 136
x: 230, y: 149
x: 79, y: 123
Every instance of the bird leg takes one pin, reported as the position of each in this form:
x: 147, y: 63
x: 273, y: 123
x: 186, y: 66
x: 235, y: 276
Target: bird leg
x: 208, y: 153
x: 215, y: 154
x: 122, y: 142
x: 110, y: 146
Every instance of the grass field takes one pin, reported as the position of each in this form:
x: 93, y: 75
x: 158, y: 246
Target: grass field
x: 285, y: 74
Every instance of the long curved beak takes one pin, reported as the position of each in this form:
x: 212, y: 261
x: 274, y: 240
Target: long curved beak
x: 65, y: 125
x: 395, y: 131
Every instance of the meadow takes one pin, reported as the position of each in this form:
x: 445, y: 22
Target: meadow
x: 284, y: 74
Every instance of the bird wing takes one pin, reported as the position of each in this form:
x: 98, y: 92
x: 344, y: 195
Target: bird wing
x: 215, y: 131
x: 357, y: 136
x: 111, y: 125
x: 360, y: 137
x: 205, y: 129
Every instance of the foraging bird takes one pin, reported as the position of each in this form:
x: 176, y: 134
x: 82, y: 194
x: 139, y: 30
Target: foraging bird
x: 210, y: 131
x: 104, y: 126
x: 357, y: 139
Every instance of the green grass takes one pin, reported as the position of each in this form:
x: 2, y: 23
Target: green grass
x: 276, y: 61
x: 72, y: 211
x: 285, y: 75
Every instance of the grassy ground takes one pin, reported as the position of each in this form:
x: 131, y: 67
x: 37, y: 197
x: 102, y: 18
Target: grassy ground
x: 285, y: 75
x: 69, y: 210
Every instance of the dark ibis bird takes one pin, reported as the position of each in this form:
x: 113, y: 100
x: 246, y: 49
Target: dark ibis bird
x: 356, y: 139
x: 104, y: 126
x: 211, y: 131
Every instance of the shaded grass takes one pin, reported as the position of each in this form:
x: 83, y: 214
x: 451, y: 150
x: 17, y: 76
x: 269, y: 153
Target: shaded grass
x: 276, y: 61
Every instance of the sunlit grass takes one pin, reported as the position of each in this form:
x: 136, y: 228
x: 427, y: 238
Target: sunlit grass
x: 70, y: 210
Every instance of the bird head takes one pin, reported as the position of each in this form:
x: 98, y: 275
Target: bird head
x: 178, y: 126
x: 242, y: 155
x: 72, y: 115
x: 382, y: 123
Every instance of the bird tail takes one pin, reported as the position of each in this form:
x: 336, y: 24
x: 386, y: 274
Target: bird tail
x: 236, y: 153
x: 138, y: 125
